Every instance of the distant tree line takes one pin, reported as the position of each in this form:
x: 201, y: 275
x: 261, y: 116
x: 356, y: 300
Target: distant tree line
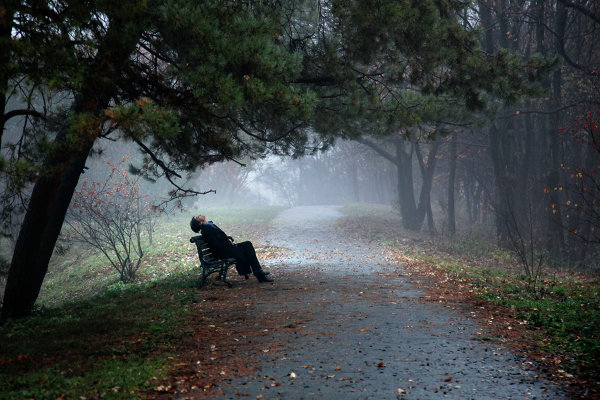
x: 537, y: 161
x: 530, y: 167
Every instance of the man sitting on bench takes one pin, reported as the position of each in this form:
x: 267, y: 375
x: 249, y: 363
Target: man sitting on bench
x: 222, y: 247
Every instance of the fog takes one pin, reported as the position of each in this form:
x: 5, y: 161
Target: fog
x: 348, y: 172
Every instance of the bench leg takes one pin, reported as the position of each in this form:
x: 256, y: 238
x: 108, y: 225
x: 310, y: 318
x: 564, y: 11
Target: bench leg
x: 202, y: 278
x: 223, y: 275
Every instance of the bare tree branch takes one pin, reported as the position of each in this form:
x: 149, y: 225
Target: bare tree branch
x: 581, y: 9
x: 377, y: 149
x: 169, y: 173
x: 17, y: 113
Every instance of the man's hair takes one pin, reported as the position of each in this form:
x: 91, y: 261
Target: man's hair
x: 195, y: 225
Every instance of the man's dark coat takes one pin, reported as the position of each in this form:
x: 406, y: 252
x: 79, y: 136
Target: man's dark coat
x: 222, y: 247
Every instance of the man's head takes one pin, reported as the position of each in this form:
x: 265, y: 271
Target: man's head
x: 196, y: 222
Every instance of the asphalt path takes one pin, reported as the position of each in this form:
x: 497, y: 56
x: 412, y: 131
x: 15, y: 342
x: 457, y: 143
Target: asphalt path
x: 366, y: 331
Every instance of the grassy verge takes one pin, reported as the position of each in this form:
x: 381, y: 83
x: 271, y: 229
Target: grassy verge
x: 81, y: 273
x: 109, y: 346
x: 564, y: 307
x: 91, y: 337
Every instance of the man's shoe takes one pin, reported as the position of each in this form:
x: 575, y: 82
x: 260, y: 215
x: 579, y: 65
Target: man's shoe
x: 261, y: 271
x: 263, y: 278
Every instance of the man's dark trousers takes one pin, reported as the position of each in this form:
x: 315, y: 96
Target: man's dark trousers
x: 245, y: 257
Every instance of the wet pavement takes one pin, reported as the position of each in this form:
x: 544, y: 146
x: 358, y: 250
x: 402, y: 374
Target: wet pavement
x: 363, y: 331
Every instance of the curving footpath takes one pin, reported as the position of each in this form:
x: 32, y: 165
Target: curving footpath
x: 365, y: 332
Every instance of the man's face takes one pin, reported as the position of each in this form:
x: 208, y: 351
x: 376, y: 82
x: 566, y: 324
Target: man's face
x: 200, y: 218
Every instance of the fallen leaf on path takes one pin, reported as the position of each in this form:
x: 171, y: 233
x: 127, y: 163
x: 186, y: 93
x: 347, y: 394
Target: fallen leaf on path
x: 381, y: 365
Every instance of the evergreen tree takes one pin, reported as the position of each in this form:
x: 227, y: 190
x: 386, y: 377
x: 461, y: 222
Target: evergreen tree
x: 199, y: 82
x: 180, y: 79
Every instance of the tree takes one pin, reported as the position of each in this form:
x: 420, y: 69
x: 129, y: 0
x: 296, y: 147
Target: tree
x: 524, y: 148
x: 196, y: 83
x: 139, y: 73
x: 582, y: 188
x: 412, y: 210
x: 111, y: 216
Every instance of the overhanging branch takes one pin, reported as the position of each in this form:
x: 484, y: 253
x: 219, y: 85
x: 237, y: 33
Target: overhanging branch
x: 17, y: 113
x: 581, y: 9
x: 377, y: 149
x: 169, y: 173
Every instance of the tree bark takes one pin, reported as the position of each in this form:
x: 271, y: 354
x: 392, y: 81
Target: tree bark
x: 53, y: 191
x: 6, y: 23
x: 40, y: 229
x: 556, y: 236
x: 451, y: 189
x: 406, y: 192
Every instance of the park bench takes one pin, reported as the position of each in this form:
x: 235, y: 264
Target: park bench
x: 209, y: 264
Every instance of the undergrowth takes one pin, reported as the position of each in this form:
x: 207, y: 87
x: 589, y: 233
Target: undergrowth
x: 564, y: 305
x: 111, y: 346
x: 79, y: 273
x: 94, y: 337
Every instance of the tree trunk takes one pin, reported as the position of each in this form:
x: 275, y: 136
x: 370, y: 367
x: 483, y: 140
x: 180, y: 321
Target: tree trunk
x: 430, y: 223
x: 427, y: 171
x: 54, y: 189
x: 355, y: 184
x: 556, y: 232
x: 40, y: 229
x: 503, y: 204
x: 411, y: 214
x: 6, y: 23
x: 406, y: 192
x: 451, y: 189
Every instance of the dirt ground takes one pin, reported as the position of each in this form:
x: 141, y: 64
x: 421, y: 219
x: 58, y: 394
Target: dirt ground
x: 346, y: 319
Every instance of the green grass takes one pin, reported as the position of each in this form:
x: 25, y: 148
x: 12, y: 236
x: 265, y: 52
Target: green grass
x: 111, y: 345
x: 79, y: 274
x: 91, y: 336
x: 566, y: 310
